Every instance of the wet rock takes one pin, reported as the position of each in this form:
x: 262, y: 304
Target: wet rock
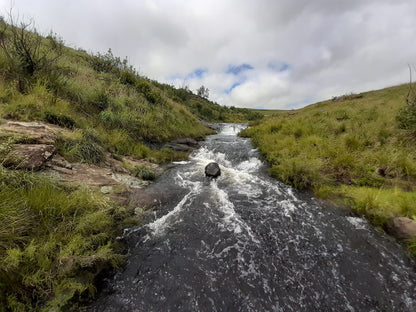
x: 212, y: 170
x: 28, y: 156
x: 179, y: 147
x: 402, y: 228
x: 186, y: 141
x: 186, y: 145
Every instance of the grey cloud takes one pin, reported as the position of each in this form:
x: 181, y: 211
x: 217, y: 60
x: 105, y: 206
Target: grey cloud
x: 330, y: 46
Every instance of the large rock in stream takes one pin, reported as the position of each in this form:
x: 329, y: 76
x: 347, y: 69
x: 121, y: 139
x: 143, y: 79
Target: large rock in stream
x: 212, y: 170
x: 402, y: 228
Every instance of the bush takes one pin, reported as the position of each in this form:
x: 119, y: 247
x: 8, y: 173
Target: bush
x: 107, y: 63
x: 60, y: 120
x: 27, y: 54
x: 407, y: 117
x: 144, y: 172
x: 87, y: 149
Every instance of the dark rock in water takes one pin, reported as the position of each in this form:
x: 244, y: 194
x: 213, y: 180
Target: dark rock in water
x: 186, y: 145
x: 402, y: 228
x: 179, y: 147
x: 186, y: 141
x: 212, y: 170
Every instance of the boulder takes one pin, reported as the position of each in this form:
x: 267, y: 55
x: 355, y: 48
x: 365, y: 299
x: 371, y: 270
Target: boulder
x: 186, y: 145
x: 402, y: 228
x: 212, y: 170
x: 30, y: 132
x: 28, y: 156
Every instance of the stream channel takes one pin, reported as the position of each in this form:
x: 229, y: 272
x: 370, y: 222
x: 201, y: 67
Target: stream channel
x: 246, y: 242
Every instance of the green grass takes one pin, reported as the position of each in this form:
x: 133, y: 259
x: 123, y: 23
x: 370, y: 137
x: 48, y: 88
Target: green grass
x: 351, y: 147
x: 54, y: 240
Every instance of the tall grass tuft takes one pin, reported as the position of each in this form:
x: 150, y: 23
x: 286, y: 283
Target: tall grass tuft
x: 50, y: 235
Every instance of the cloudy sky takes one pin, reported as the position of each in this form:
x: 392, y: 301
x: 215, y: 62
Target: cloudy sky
x: 263, y: 53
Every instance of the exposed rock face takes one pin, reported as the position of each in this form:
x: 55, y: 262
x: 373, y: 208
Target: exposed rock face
x: 212, y: 170
x: 31, y: 132
x: 402, y: 228
x: 186, y: 145
x: 28, y: 156
x: 187, y: 141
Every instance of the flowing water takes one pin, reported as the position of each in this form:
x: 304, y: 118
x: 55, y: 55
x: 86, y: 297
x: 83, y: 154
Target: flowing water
x: 246, y: 242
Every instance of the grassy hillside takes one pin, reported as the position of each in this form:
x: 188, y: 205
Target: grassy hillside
x: 100, y: 95
x: 56, y: 238
x: 349, y: 149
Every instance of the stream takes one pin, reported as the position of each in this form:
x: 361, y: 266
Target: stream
x: 246, y: 242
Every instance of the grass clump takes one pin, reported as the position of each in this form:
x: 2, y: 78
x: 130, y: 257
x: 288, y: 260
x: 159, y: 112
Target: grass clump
x: 144, y: 172
x: 84, y: 147
x: 54, y: 240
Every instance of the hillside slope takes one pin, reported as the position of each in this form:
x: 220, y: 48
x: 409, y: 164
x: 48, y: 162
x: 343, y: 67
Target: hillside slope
x: 349, y: 149
x: 97, y: 127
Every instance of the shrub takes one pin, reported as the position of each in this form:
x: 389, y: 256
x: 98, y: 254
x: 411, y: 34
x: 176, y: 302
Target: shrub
x: 144, y: 172
x: 128, y: 77
x: 59, y: 120
x: 28, y: 55
x: 86, y: 149
x: 107, y: 63
x: 407, y: 117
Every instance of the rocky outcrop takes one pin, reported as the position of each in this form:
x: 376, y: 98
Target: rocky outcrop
x: 28, y: 156
x: 212, y: 170
x: 402, y: 228
x: 30, y: 132
x: 186, y: 145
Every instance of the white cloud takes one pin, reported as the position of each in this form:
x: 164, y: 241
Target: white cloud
x: 328, y: 47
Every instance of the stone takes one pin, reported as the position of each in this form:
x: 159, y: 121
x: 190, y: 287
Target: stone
x: 106, y: 189
x: 187, y: 141
x: 179, y: 147
x: 59, y: 161
x: 186, y: 145
x: 402, y: 228
x: 212, y: 170
x: 28, y: 156
x: 31, y: 132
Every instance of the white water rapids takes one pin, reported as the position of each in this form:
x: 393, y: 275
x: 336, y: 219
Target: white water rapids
x: 245, y: 242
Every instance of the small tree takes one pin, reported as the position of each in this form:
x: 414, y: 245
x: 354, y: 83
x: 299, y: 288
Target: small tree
x: 27, y: 54
x: 407, y: 115
x: 203, y: 92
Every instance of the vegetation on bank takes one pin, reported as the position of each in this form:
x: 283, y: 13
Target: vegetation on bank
x: 54, y: 238
x: 357, y: 149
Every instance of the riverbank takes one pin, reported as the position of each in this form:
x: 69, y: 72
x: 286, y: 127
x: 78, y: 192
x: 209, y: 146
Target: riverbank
x: 348, y: 150
x: 247, y: 240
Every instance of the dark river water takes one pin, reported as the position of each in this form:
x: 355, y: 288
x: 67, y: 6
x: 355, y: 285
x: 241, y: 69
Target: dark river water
x: 246, y: 242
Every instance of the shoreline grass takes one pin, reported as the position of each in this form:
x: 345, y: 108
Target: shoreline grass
x: 348, y: 150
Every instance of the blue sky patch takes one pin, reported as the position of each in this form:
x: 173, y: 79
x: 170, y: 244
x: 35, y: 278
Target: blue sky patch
x: 279, y: 67
x: 235, y: 85
x: 237, y: 69
x: 197, y: 73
